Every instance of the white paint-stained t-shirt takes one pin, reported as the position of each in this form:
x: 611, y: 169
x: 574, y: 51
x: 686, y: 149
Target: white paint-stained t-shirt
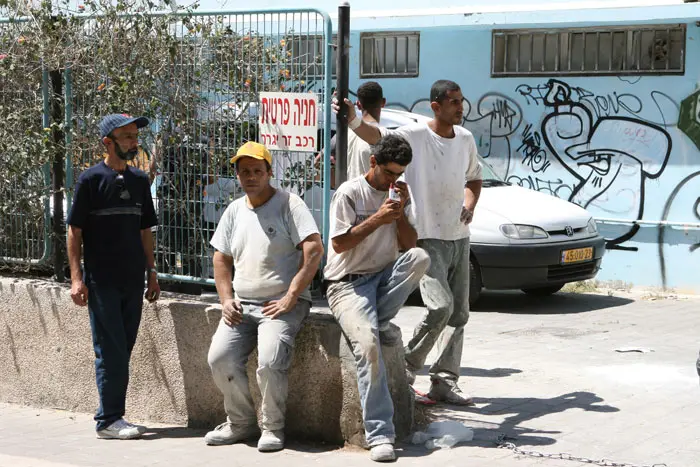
x: 437, y: 175
x: 264, y: 243
x: 353, y: 202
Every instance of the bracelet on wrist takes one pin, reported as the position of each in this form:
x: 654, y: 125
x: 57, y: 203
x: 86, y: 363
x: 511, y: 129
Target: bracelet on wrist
x: 354, y: 123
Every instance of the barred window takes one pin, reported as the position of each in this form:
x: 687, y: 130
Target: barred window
x: 307, y: 55
x: 653, y: 49
x: 389, y: 54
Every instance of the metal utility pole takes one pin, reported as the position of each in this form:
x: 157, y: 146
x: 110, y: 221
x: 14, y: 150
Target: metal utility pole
x: 341, y: 126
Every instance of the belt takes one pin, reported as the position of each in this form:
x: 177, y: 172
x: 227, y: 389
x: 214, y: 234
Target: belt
x: 347, y: 278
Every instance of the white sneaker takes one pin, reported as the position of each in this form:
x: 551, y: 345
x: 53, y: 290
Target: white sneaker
x: 271, y: 440
x: 228, y: 433
x: 121, y: 429
x: 382, y: 453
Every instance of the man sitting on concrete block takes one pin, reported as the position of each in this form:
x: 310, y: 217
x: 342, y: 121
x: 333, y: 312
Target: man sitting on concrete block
x: 369, y: 280
x: 272, y: 240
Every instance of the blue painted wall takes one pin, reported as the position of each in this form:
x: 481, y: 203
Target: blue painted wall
x: 642, y: 167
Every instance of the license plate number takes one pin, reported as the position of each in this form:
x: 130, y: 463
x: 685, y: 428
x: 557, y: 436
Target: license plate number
x: 577, y: 255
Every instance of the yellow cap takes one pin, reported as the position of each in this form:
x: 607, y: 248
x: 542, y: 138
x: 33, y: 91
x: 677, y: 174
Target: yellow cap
x: 254, y: 150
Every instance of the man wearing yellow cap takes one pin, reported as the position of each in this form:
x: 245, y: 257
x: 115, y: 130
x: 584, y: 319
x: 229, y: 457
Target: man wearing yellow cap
x: 271, y: 239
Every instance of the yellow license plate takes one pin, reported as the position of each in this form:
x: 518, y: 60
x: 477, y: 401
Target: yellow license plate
x: 577, y: 255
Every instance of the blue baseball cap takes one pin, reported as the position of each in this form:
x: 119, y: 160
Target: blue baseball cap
x: 114, y: 121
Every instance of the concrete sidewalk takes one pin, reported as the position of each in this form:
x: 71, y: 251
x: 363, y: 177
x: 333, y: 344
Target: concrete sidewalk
x: 545, y: 373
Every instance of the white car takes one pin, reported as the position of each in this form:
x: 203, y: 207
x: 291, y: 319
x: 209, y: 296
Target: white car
x: 521, y: 238
x: 524, y: 239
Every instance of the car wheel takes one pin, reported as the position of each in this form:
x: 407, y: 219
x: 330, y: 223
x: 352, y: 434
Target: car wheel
x: 544, y: 291
x: 475, y: 284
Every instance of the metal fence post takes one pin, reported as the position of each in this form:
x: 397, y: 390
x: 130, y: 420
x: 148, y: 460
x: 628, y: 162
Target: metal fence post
x: 46, y: 168
x: 58, y: 158
x: 326, y: 176
x: 341, y: 137
x: 68, y: 119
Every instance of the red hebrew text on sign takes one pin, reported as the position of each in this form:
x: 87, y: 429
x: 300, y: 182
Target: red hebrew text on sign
x: 288, y: 121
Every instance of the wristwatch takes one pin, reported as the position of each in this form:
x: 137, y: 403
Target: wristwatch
x: 153, y: 270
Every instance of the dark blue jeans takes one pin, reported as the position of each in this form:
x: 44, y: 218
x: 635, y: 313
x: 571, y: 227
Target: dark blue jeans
x: 115, y: 315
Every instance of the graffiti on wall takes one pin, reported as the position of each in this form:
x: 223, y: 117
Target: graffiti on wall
x: 610, y: 157
x: 664, y: 110
x: 598, y: 151
x: 684, y: 196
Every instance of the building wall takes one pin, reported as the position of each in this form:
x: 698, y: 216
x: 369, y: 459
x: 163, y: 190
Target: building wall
x: 646, y: 168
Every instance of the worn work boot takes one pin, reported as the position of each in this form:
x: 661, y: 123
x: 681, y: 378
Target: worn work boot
x: 228, y: 433
x: 445, y: 390
x: 271, y: 440
x: 121, y: 429
x: 382, y: 453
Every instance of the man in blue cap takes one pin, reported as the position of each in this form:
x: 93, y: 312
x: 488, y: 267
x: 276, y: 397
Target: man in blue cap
x: 111, y: 216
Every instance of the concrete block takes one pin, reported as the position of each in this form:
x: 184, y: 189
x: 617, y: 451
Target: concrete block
x: 46, y: 360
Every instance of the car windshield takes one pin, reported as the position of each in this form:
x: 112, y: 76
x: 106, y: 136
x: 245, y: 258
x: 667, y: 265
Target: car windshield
x: 489, y: 177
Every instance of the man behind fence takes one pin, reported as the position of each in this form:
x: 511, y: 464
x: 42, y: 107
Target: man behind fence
x: 272, y: 240
x: 369, y: 280
x: 111, y: 216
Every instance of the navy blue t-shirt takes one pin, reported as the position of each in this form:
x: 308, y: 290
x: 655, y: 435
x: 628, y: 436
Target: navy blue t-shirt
x: 111, y: 211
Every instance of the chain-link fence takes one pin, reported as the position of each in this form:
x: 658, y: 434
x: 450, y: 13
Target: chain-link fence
x: 198, y: 77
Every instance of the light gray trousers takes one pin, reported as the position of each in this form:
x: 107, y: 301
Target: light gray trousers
x: 228, y: 355
x: 445, y: 292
